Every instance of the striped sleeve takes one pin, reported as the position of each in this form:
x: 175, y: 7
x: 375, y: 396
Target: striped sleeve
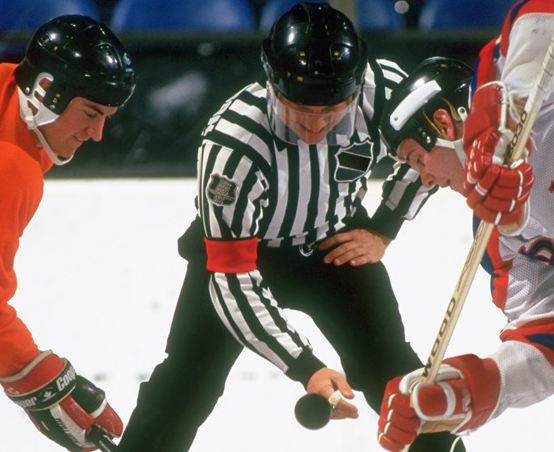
x: 251, y: 314
x: 403, y: 194
x: 234, y: 164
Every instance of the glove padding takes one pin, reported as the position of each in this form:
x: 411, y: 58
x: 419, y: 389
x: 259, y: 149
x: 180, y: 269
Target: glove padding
x: 398, y: 424
x: 462, y: 398
x: 62, y: 404
x: 497, y: 193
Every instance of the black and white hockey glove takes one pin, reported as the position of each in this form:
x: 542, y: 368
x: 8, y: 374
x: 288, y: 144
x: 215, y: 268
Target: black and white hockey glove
x: 63, y: 405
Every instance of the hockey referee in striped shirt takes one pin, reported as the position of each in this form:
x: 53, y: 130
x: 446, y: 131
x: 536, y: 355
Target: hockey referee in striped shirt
x: 282, y: 171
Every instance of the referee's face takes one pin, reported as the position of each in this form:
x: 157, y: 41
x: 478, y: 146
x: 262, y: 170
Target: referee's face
x: 312, y: 123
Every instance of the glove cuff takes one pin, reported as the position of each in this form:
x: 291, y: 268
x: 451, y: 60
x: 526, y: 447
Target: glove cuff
x: 482, y: 378
x: 45, y: 381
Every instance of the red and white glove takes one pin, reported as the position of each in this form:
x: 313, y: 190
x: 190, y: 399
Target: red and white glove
x: 463, y: 397
x: 62, y: 404
x: 497, y: 193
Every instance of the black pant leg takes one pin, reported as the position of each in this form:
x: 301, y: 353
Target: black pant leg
x: 183, y: 390
x: 356, y: 310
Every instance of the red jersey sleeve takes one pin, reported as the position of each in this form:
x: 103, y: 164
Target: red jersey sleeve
x: 21, y: 189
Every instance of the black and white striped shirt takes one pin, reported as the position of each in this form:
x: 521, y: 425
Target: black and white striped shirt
x: 253, y: 185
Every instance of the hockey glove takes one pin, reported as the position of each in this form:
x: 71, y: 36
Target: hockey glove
x: 497, y: 193
x: 62, y: 404
x: 462, y: 398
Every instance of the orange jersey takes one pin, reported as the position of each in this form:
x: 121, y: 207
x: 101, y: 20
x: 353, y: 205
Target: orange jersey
x: 22, y: 168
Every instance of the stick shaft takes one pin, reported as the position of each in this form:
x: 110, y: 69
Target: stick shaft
x: 101, y: 439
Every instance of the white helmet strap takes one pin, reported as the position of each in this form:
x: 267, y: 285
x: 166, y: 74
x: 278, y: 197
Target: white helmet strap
x: 35, y: 114
x: 456, y: 145
x: 33, y: 110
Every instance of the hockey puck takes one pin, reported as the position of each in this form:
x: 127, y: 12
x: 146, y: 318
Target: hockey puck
x: 313, y: 411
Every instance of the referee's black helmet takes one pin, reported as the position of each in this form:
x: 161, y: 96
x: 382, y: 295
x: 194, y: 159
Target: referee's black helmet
x: 314, y: 56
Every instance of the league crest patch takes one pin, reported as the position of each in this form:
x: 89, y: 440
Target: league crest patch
x: 221, y: 190
x: 354, y: 161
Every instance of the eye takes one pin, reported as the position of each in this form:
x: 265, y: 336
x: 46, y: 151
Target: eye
x: 420, y: 163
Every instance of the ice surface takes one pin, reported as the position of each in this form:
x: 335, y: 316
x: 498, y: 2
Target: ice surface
x: 99, y: 276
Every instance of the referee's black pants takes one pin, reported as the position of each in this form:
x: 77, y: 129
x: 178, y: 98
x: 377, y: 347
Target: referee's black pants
x: 354, y: 307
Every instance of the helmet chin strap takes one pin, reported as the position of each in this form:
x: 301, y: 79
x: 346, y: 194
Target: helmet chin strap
x: 51, y: 154
x: 35, y: 114
x: 456, y: 145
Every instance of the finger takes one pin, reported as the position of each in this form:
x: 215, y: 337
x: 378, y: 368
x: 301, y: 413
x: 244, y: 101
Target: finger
x: 393, y: 433
x: 491, y: 216
x: 327, y: 243
x: 334, y: 240
x: 401, y: 405
x: 389, y: 444
x: 480, y: 190
x: 345, y: 410
x: 488, y: 179
x: 345, y: 389
x: 504, y: 205
x: 502, y: 192
x: 339, y: 255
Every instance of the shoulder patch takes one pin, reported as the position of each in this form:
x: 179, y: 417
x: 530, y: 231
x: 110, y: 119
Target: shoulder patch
x: 354, y: 161
x: 221, y: 191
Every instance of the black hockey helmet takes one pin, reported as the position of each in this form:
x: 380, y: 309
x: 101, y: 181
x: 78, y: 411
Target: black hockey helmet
x: 313, y: 55
x: 436, y: 83
x: 83, y: 58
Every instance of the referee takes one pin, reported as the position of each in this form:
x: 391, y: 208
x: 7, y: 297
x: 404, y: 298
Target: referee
x: 282, y: 171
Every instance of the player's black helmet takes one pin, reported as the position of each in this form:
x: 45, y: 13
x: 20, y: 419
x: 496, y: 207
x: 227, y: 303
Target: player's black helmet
x: 313, y: 55
x: 83, y: 57
x: 436, y: 83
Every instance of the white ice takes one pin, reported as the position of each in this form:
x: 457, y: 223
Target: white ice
x: 99, y: 276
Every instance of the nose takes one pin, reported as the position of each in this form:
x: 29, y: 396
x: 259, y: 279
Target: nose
x: 427, y: 179
x: 95, y: 131
x: 316, y: 123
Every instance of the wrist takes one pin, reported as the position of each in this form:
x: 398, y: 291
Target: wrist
x: 518, y: 226
x: 45, y: 381
x: 305, y: 365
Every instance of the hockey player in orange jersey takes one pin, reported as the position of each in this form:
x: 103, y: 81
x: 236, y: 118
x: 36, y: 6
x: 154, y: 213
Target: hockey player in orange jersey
x: 75, y: 74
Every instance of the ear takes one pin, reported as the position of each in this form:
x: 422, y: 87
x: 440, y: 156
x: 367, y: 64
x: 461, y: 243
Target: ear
x: 445, y: 123
x: 44, y: 83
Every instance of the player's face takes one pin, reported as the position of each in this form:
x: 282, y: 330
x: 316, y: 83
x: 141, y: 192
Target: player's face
x: 440, y: 166
x: 312, y: 123
x: 81, y: 121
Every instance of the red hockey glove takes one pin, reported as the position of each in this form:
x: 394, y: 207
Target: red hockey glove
x: 463, y: 397
x: 62, y: 404
x: 398, y: 424
x: 496, y: 192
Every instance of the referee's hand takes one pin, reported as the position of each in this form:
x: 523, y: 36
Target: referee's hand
x: 356, y: 247
x: 325, y: 382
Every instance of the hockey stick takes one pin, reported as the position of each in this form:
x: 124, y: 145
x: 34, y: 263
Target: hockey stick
x: 514, y: 151
x: 101, y: 439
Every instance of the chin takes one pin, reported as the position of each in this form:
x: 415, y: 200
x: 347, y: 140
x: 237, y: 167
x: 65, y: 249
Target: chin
x: 312, y: 139
x: 457, y: 189
x: 65, y: 154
